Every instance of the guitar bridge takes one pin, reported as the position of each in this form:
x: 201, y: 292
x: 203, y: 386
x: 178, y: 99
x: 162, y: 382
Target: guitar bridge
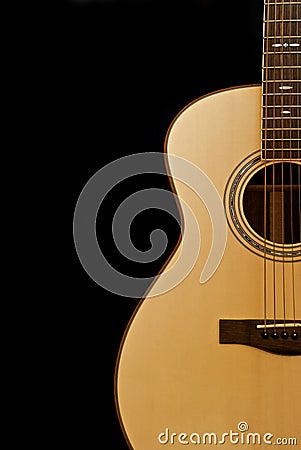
x: 273, y: 336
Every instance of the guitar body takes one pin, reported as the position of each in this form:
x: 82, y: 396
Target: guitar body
x: 175, y: 381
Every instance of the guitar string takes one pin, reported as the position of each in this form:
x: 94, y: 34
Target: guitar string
x: 294, y: 104
x: 283, y: 16
x: 292, y: 201
x: 265, y: 113
x: 299, y: 154
x: 273, y: 177
x: 291, y: 188
x: 298, y: 143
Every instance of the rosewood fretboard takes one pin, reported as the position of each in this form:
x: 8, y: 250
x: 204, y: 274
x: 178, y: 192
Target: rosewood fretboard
x: 281, y: 78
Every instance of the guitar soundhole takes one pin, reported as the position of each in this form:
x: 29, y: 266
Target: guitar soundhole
x: 271, y: 203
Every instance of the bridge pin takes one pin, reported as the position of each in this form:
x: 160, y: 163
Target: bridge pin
x: 275, y: 334
x: 265, y: 334
x: 284, y: 335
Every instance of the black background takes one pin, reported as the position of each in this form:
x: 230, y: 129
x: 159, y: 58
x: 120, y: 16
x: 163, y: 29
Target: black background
x: 122, y: 70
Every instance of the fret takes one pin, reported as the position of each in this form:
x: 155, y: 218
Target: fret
x: 282, y: 3
x: 281, y: 89
x: 280, y: 94
x: 283, y: 136
x: 280, y: 154
x: 282, y: 20
x: 281, y: 52
x: 282, y: 12
x: 283, y: 37
x: 281, y: 28
x: 281, y: 106
x: 282, y: 59
x: 269, y: 112
x: 276, y: 123
x: 281, y: 101
x: 273, y: 81
x: 292, y: 145
x: 279, y: 60
x: 280, y: 135
x: 280, y: 67
x: 281, y: 143
x: 281, y: 74
x: 279, y: 46
x: 281, y: 118
x: 282, y: 140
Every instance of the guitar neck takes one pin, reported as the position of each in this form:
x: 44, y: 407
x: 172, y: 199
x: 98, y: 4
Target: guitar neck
x: 281, y: 80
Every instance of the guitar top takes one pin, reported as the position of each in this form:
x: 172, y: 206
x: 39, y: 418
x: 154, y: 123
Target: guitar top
x: 212, y: 354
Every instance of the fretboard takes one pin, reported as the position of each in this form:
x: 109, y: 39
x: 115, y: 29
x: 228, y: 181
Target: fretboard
x: 281, y: 80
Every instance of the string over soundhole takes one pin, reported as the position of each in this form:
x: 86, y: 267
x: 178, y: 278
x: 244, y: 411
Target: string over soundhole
x: 263, y: 202
x: 271, y: 203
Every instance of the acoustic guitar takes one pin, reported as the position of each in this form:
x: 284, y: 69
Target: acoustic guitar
x: 218, y: 362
